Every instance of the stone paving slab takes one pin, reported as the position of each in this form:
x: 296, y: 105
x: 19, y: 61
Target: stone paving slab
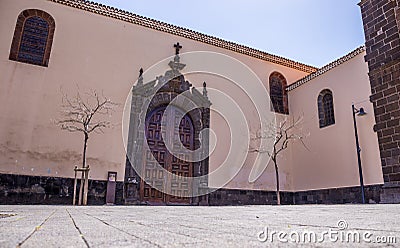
x: 183, y: 226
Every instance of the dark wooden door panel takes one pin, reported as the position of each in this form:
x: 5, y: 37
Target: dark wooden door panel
x: 176, y: 183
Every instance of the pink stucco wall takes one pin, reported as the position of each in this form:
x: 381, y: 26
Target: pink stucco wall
x: 96, y: 52
x: 90, y: 52
x: 332, y: 159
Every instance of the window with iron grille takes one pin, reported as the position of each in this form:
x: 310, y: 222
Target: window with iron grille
x: 326, y: 111
x: 33, y: 38
x: 278, y: 94
x: 33, y: 42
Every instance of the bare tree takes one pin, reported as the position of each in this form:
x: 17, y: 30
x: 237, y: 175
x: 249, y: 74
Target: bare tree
x: 281, y: 134
x: 82, y: 115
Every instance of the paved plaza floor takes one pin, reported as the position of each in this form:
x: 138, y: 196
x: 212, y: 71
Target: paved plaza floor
x: 183, y: 226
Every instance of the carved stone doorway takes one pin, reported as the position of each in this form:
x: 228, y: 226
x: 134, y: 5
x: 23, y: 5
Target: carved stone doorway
x: 148, y: 105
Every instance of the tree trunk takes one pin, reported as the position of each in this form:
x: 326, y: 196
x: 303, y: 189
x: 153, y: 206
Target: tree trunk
x: 83, y: 166
x: 278, y: 196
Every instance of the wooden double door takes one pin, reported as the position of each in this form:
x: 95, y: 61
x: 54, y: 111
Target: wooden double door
x: 167, y: 127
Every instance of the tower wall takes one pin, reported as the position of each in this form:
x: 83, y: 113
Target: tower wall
x: 381, y: 20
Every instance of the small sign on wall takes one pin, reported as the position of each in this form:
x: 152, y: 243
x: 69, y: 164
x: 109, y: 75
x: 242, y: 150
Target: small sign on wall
x: 111, y: 186
x: 112, y: 176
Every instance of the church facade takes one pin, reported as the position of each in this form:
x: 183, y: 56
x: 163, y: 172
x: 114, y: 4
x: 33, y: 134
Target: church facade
x: 189, y: 124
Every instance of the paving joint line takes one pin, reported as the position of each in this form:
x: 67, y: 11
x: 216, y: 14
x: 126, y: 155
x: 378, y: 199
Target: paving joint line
x: 121, y: 230
x: 78, y: 229
x: 163, y: 229
x: 36, y: 229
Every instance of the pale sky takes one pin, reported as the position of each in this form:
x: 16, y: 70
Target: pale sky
x: 314, y: 32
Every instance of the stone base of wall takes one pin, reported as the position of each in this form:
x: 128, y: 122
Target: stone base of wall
x: 339, y: 195
x: 223, y: 197
x: 325, y: 196
x: 390, y: 194
x: 21, y: 189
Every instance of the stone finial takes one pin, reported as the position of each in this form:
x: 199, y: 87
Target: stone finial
x: 205, y: 90
x: 140, y: 79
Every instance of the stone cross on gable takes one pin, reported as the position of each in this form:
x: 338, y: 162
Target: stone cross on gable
x: 177, y: 48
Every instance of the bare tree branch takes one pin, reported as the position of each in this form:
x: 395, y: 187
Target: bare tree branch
x: 80, y: 116
x: 80, y: 113
x: 281, y: 135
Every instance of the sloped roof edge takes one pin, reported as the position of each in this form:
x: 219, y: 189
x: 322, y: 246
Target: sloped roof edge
x: 183, y: 32
x: 326, y: 68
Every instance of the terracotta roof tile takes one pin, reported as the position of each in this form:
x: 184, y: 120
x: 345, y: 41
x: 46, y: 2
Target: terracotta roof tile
x: 183, y: 32
x: 326, y: 68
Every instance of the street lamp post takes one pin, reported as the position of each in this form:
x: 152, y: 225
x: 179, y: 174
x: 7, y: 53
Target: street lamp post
x: 359, y: 112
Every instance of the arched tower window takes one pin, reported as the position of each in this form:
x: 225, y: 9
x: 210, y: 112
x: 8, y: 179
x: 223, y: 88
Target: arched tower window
x: 33, y: 37
x: 326, y: 111
x: 278, y: 93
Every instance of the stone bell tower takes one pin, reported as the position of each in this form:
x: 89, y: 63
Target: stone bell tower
x: 381, y: 20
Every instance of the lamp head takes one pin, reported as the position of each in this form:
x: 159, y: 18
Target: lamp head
x: 361, y: 112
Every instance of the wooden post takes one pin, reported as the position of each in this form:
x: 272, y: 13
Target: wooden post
x: 85, y: 189
x: 75, y: 183
x: 81, y: 189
